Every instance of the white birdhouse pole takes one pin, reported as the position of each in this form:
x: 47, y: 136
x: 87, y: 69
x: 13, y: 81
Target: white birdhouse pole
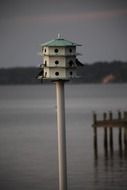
x: 61, y: 135
x: 59, y: 65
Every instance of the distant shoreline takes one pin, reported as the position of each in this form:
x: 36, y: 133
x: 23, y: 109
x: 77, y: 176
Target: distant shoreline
x: 99, y: 72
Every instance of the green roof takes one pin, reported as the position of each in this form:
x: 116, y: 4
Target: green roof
x: 59, y: 42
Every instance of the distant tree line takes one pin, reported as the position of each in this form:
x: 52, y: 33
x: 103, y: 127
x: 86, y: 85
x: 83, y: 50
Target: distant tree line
x: 19, y: 75
x: 99, y: 72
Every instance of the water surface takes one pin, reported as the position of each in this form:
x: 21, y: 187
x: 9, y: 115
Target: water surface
x: 28, y: 138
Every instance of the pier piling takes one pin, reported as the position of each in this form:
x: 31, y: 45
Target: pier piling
x: 111, y: 132
x: 105, y: 133
x: 125, y: 131
x: 120, y: 132
x: 95, y: 134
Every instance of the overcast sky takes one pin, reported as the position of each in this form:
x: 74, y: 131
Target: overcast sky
x: 99, y: 25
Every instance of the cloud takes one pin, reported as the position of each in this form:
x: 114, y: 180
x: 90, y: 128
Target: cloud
x: 70, y: 17
x: 81, y: 16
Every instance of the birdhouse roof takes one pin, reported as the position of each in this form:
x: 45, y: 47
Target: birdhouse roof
x: 59, y: 42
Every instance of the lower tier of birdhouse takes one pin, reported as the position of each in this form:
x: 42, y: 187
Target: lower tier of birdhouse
x: 59, y: 73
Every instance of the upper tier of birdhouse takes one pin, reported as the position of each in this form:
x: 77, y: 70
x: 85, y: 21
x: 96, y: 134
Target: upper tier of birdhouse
x: 59, y: 59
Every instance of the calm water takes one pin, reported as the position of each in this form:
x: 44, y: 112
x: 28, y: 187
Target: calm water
x: 28, y: 138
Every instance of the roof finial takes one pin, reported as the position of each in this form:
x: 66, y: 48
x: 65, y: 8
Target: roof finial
x: 59, y: 36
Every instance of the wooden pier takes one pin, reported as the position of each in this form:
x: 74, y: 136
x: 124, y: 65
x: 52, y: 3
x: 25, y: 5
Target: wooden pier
x: 108, y: 123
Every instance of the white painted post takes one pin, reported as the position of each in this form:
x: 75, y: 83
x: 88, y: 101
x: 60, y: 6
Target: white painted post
x: 61, y: 135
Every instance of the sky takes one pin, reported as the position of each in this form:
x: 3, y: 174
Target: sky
x: 99, y: 25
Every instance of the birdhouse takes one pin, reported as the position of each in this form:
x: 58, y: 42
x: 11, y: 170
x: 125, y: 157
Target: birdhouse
x: 59, y: 59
